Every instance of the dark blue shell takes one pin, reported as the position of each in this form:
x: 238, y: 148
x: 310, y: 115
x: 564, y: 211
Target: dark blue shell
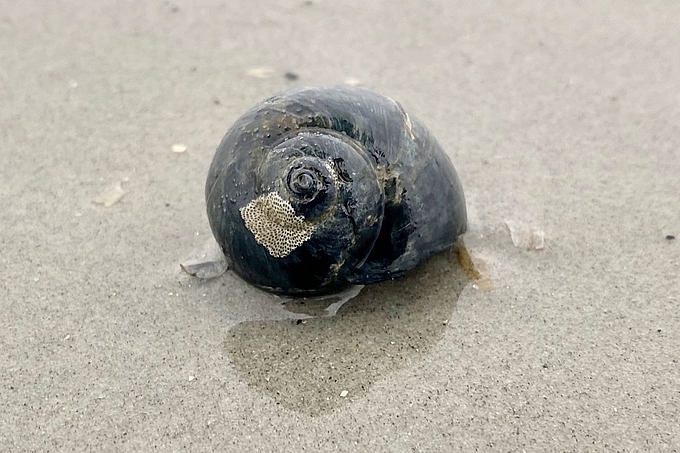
x: 372, y: 192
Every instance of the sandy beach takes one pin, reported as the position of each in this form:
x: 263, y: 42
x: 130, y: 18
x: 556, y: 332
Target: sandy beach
x: 562, y: 120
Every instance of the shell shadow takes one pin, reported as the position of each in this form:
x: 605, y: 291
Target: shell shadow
x: 308, y: 365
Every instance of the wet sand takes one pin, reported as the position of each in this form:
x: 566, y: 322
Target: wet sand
x: 563, y: 119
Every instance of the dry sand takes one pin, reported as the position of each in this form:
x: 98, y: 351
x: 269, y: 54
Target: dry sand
x: 563, y: 116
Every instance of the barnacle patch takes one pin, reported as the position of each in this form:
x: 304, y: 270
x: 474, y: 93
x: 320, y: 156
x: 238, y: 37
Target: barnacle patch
x: 273, y: 222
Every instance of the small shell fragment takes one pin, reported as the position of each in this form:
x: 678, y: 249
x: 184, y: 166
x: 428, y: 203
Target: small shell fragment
x: 260, y: 73
x: 525, y: 236
x: 205, y: 270
x: 344, y: 393
x: 210, y: 263
x: 178, y: 148
x: 110, y: 196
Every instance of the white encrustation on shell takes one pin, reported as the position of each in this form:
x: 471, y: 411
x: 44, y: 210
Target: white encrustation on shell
x: 331, y: 171
x: 273, y: 222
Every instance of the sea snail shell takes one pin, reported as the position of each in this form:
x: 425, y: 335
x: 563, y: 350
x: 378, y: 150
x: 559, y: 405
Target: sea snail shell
x: 317, y: 188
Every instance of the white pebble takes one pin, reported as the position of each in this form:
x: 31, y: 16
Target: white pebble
x: 178, y: 148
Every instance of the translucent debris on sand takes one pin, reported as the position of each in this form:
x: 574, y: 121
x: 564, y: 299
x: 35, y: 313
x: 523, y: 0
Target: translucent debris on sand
x: 524, y: 235
x: 110, y: 196
x: 210, y: 263
x: 321, y: 306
